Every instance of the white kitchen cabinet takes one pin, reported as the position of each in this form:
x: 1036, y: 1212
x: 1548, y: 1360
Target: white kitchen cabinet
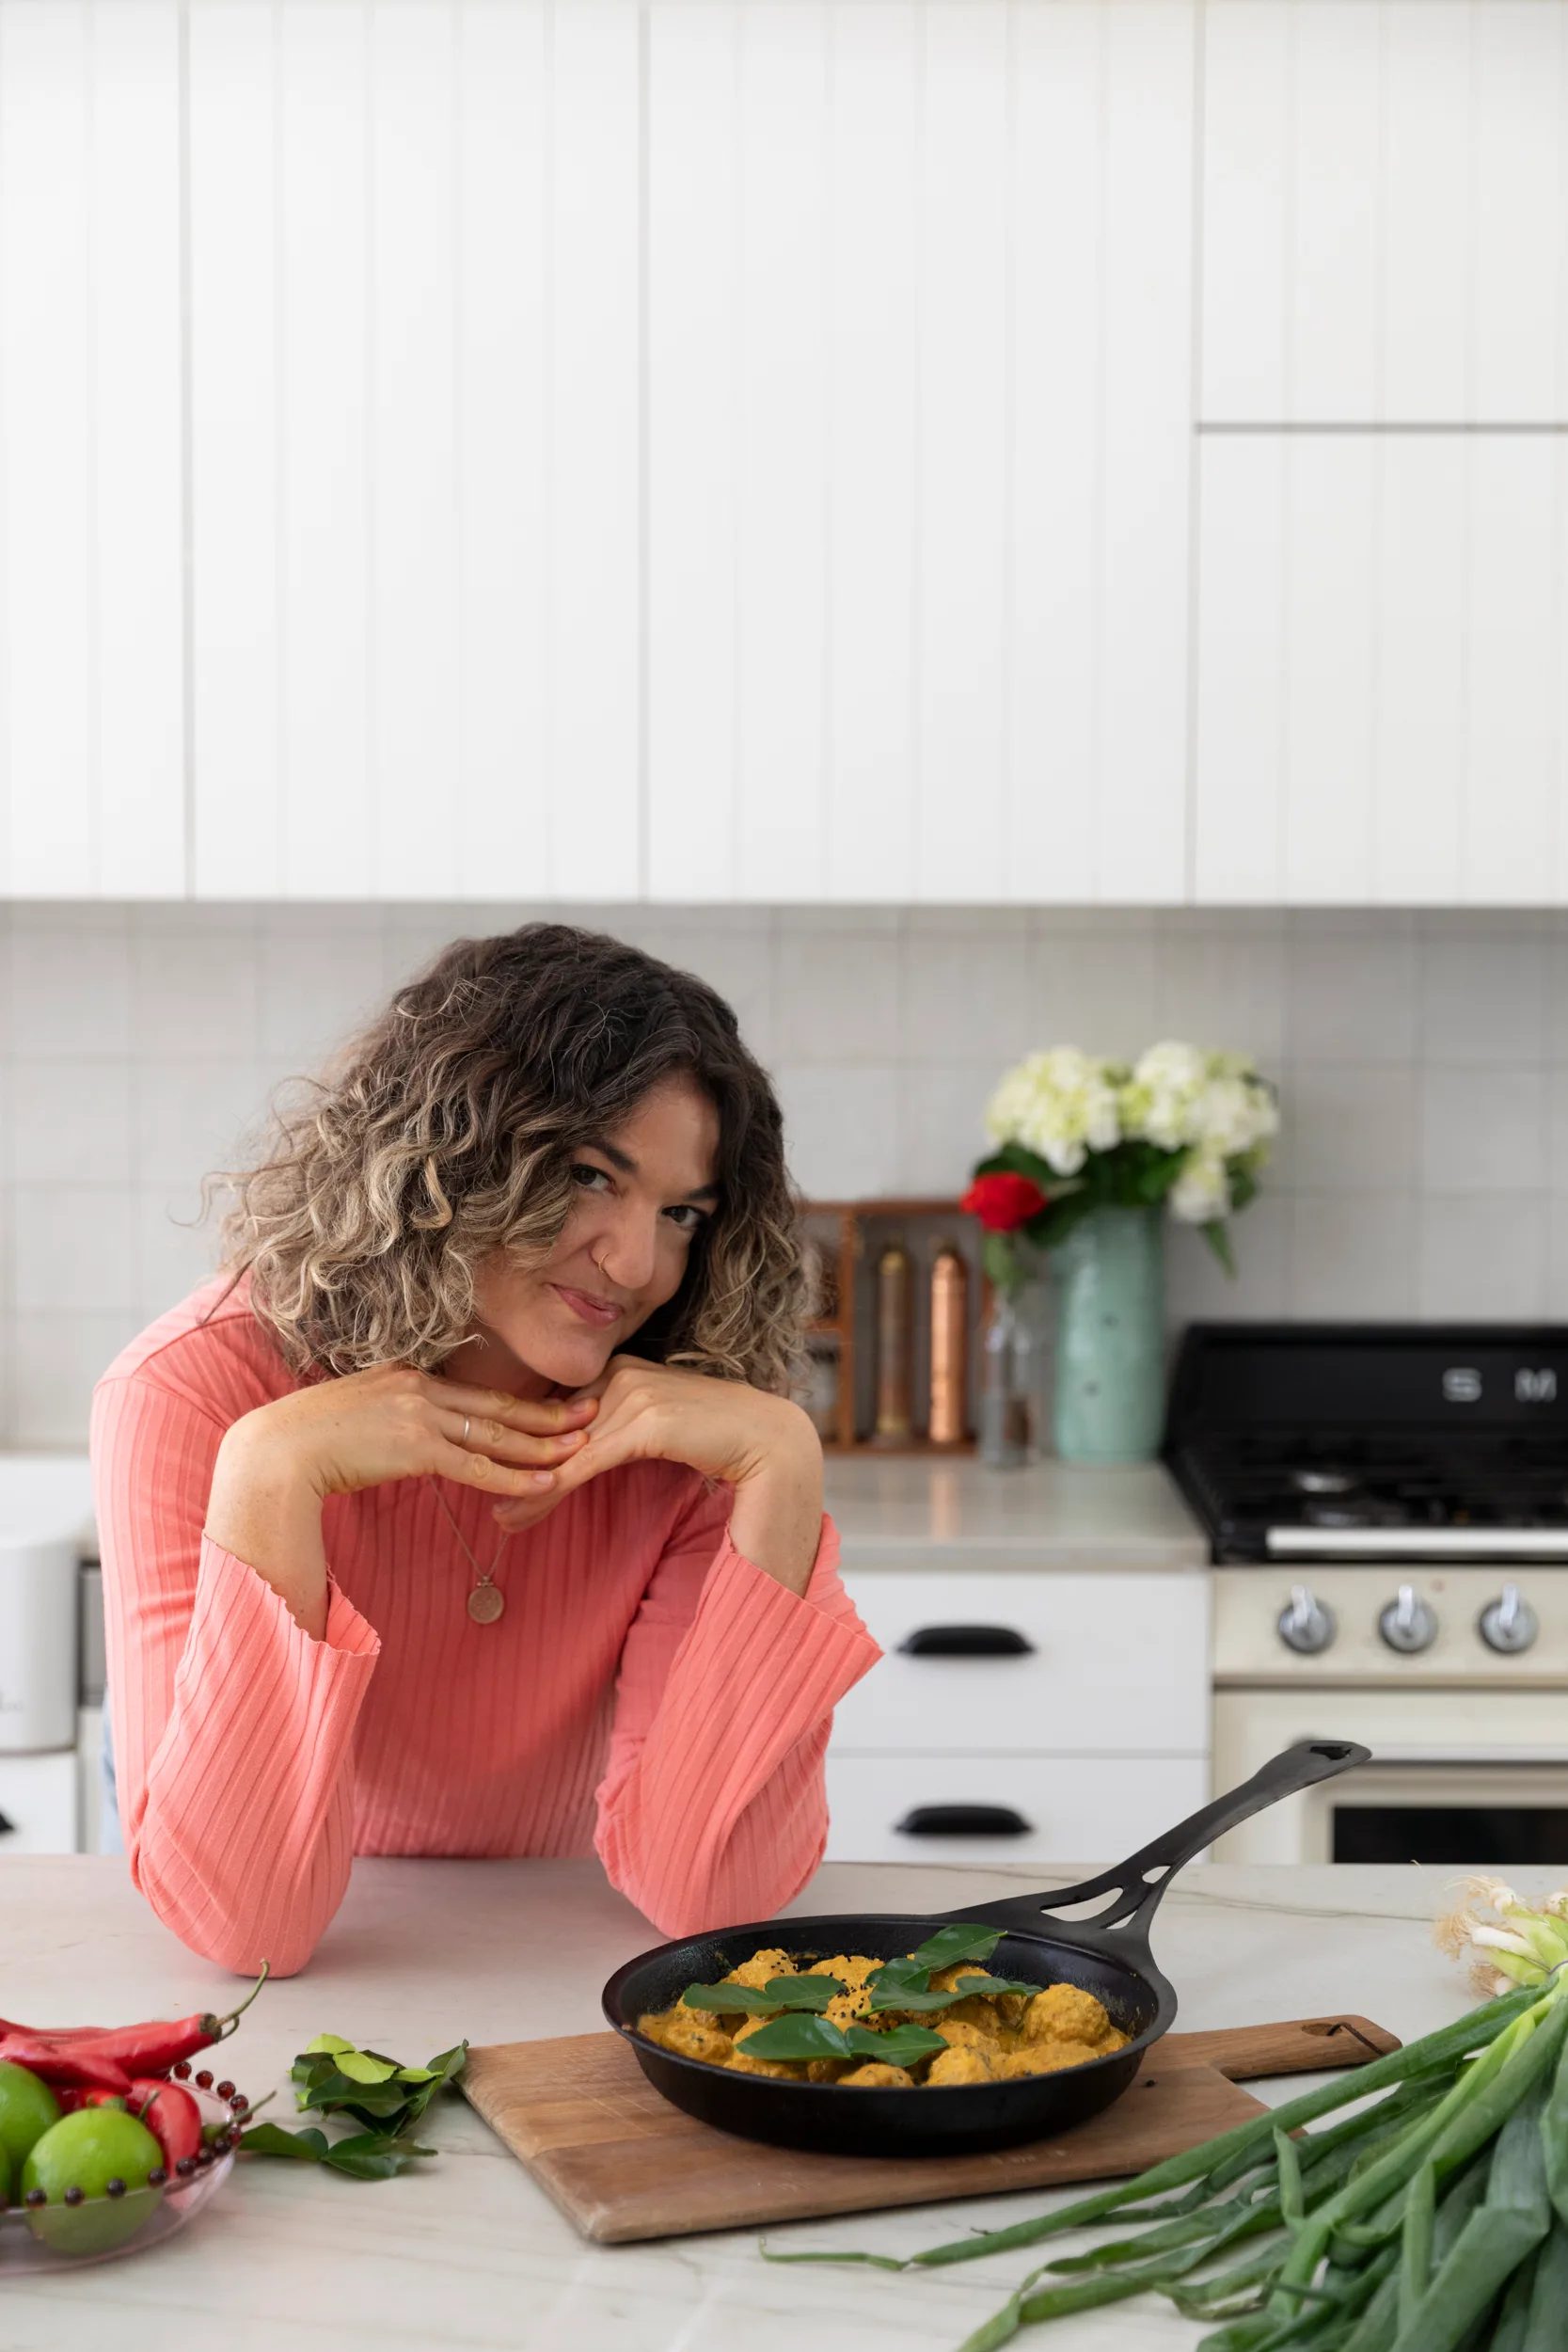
x: 93, y: 732
x: 1065, y: 1808
x: 39, y: 1803
x: 1384, y: 220
x: 415, y: 423
x: 919, y: 449
x: 1108, y: 1665
x: 1381, y: 641
x: 1082, y: 1734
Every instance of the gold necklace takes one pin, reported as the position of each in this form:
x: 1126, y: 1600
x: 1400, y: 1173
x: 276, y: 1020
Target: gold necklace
x: 486, y: 1604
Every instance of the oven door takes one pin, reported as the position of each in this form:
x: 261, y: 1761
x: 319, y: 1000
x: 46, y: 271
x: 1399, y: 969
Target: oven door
x: 1458, y: 1779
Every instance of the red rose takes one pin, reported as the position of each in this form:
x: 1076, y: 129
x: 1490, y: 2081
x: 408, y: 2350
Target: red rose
x: 1003, y: 1202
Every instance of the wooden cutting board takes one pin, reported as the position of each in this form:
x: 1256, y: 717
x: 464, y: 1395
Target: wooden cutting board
x: 622, y: 2163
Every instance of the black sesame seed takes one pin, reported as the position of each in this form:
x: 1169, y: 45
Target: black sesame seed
x: 185, y: 2166
x: 115, y: 2188
x: 74, y: 2195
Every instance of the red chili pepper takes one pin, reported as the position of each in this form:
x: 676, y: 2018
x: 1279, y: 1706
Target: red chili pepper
x: 76, y: 2064
x: 152, y: 2049
x: 70, y: 2100
x: 172, y: 2117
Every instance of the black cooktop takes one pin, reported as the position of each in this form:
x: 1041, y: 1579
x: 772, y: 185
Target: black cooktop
x: 1343, y: 1441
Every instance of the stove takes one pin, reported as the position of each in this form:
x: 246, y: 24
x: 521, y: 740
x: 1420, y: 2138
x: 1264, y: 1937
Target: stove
x: 1386, y: 1508
x: 1345, y: 1442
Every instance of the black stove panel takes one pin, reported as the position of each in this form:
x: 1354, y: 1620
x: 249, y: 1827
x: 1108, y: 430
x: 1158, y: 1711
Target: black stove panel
x: 1337, y: 1429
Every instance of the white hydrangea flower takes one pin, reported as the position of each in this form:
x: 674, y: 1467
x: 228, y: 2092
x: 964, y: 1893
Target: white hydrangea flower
x: 1202, y: 1191
x: 1234, y: 1114
x: 1062, y: 1105
x: 1160, y: 1101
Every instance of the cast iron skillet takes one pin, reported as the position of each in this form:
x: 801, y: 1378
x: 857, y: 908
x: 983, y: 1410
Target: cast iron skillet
x: 1108, y: 1954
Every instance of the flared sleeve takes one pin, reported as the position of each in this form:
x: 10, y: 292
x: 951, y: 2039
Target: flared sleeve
x: 233, y: 1728
x: 713, y: 1807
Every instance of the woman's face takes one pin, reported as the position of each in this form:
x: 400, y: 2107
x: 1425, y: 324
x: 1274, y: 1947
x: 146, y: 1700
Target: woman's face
x: 642, y: 1193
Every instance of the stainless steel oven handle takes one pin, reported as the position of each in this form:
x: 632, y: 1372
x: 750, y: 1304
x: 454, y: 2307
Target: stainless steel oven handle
x: 1417, y: 1543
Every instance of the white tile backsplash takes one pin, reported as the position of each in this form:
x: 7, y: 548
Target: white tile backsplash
x: 1423, y: 1062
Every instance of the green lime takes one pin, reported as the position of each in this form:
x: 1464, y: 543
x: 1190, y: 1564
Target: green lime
x: 87, y: 2151
x: 27, y: 2107
x: 4, y: 2179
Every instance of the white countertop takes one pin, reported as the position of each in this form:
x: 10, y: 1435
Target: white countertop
x: 911, y: 1512
x: 468, y: 2253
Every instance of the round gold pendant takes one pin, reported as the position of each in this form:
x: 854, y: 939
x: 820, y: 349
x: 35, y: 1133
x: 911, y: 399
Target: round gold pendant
x: 486, y: 1604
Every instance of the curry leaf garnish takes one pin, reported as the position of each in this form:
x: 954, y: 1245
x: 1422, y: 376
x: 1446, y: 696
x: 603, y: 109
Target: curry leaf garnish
x: 897, y: 1992
x: 792, y: 2038
x: 900, y: 2045
x: 956, y: 1943
x: 364, y: 2155
x: 810, y: 1992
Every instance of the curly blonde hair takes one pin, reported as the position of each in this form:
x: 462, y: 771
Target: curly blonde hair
x: 448, y: 1129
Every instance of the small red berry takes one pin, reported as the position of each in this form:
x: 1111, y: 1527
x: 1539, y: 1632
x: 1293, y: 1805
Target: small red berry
x: 156, y: 2178
x: 204, y: 2080
x: 37, y: 2196
x: 225, y: 2091
x: 204, y: 2156
x: 115, y: 2188
x: 181, y: 2072
x: 74, y: 2195
x: 240, y: 2104
x: 185, y: 2166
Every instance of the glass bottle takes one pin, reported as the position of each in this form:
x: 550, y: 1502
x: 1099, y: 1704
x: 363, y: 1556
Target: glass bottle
x: 1008, y: 1388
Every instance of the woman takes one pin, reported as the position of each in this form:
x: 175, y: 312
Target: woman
x: 465, y: 1513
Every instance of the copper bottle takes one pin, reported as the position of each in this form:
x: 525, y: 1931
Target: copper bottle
x: 949, y: 1413
x: 895, y: 1349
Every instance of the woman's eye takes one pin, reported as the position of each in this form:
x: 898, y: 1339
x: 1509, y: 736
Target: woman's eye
x: 686, y: 1217
x: 589, y: 1177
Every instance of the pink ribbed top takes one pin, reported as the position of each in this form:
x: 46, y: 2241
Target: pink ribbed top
x: 648, y: 1692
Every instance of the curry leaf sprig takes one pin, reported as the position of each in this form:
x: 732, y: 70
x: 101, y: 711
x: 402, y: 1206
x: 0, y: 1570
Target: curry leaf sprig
x: 1432, y: 2218
x: 335, y: 2079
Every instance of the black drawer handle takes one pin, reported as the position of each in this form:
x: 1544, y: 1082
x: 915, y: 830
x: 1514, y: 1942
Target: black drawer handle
x: 967, y: 1641
x: 964, y: 1820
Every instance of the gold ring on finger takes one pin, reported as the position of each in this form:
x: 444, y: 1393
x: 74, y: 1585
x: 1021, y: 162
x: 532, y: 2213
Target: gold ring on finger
x: 465, y: 1428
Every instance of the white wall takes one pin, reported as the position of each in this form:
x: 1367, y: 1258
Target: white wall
x: 1422, y: 1059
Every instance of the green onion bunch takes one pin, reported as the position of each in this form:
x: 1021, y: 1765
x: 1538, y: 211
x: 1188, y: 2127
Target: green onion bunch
x: 1432, y: 2217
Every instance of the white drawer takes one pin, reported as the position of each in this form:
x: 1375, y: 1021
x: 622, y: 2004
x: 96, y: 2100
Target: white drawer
x: 1115, y: 1665
x: 37, y: 1802
x: 1075, y: 1810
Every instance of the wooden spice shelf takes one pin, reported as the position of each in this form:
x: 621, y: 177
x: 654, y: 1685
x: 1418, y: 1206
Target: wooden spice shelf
x: 847, y: 1238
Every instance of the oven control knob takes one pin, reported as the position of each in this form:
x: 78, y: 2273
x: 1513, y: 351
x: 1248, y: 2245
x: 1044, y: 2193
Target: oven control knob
x: 1510, y: 1624
x: 1409, y: 1623
x: 1307, y: 1625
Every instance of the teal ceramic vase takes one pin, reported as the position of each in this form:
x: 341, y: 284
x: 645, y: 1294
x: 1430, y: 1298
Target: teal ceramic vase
x: 1110, y: 1337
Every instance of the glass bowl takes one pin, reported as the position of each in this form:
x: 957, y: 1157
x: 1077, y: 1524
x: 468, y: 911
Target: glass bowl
x: 67, y: 2237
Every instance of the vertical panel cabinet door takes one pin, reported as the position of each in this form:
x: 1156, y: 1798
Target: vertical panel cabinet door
x: 1383, y: 639
x: 415, y: 484
x: 919, y: 448
x: 92, y: 750
x: 1384, y: 212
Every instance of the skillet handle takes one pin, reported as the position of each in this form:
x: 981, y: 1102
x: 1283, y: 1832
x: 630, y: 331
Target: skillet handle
x: 1137, y: 1885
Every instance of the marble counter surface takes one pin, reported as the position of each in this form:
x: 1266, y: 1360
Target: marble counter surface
x: 467, y: 2254
x: 910, y: 1512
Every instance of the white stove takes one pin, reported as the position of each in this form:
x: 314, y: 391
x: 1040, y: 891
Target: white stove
x: 1388, y: 1514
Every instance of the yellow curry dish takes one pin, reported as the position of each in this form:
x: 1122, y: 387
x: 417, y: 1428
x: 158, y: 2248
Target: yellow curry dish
x: 934, y: 2019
